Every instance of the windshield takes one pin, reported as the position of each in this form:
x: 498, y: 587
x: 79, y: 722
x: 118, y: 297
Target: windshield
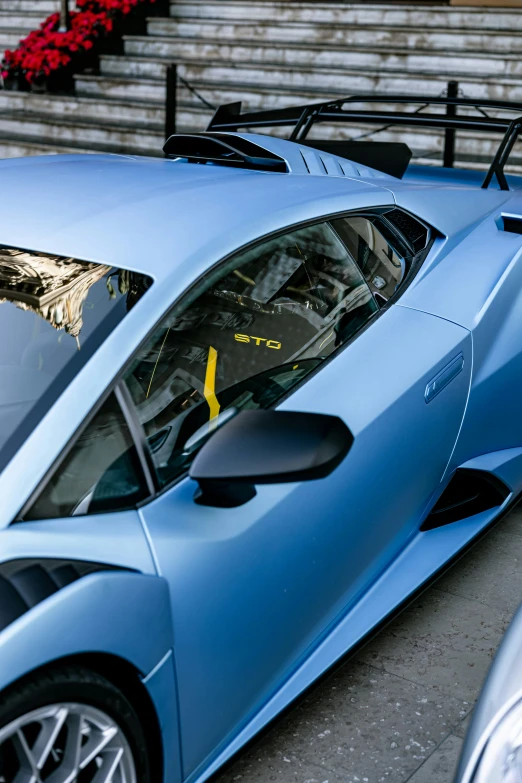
x: 54, y: 313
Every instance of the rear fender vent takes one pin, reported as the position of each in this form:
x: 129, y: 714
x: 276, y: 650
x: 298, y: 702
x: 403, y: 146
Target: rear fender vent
x: 512, y: 224
x: 469, y: 492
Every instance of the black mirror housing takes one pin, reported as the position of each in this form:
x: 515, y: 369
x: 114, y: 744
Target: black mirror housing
x: 267, y: 447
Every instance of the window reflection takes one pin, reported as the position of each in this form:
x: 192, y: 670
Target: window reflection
x: 54, y: 312
x: 52, y: 287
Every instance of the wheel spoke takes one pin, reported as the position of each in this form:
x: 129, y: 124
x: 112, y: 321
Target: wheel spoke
x: 28, y: 772
x: 51, y: 727
x: 98, y: 740
x: 68, y: 770
x: 65, y: 743
x: 111, y: 760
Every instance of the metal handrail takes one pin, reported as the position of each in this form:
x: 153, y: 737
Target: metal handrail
x: 65, y: 17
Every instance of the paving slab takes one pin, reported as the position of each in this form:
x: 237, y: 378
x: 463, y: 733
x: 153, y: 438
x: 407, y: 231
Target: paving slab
x: 363, y: 724
x: 441, y: 765
x: 461, y: 729
x: 513, y: 522
x: 490, y: 573
x: 442, y: 640
x: 262, y: 767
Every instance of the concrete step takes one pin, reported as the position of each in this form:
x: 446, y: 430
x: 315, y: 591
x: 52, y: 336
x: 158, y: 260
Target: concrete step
x: 41, y: 7
x: 350, y: 14
x: 426, y: 145
x: 21, y: 147
x: 95, y: 136
x: 9, y: 39
x: 254, y: 85
x: 261, y: 52
x: 133, y: 88
x: 341, y: 35
x: 139, y: 125
x: 20, y: 20
x: 135, y: 113
x: 253, y: 96
x: 368, y: 60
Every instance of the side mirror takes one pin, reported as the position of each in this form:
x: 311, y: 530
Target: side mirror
x: 267, y: 447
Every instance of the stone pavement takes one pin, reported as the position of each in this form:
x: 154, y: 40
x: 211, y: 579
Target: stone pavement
x: 399, y: 709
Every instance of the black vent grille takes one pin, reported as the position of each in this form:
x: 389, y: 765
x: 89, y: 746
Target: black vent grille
x: 413, y: 231
x: 469, y: 492
x: 388, y: 156
x: 513, y: 225
x: 26, y: 583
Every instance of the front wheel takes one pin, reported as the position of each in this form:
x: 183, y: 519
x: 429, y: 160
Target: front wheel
x: 70, y: 726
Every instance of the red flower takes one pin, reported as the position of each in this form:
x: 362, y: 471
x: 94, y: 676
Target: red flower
x: 46, y: 49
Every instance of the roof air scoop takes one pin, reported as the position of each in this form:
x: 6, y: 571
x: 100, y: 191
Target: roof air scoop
x: 512, y: 224
x: 224, y: 150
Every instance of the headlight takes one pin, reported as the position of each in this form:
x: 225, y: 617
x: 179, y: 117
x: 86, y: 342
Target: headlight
x: 501, y: 760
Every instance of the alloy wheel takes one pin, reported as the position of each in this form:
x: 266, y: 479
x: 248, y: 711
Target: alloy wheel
x: 65, y: 743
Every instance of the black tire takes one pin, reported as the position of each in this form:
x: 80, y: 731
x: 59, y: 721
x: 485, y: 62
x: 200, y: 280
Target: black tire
x: 79, y: 685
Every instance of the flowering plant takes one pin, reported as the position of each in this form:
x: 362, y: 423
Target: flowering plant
x: 47, y: 50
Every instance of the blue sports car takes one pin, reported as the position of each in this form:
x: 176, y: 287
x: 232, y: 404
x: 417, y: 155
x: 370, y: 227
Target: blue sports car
x: 253, y: 396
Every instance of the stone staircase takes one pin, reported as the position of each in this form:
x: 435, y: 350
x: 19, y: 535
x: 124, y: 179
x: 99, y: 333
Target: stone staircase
x: 266, y: 53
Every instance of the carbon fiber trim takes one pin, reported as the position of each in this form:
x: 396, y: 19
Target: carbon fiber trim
x: 26, y: 583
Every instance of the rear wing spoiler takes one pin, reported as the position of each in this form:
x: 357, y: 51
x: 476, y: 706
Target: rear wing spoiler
x: 228, y: 117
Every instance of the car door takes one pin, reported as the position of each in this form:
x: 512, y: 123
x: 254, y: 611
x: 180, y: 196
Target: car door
x: 292, y: 321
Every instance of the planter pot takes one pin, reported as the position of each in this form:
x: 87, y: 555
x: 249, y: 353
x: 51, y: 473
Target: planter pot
x: 158, y: 8
x: 16, y: 83
x: 58, y: 82
x: 134, y: 23
x: 112, y: 43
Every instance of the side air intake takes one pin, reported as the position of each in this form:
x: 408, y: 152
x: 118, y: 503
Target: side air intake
x: 469, y: 492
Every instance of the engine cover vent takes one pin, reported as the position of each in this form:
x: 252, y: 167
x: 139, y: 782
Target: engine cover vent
x: 469, y: 492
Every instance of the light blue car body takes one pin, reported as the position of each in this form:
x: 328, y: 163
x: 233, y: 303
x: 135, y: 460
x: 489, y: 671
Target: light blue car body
x: 226, y: 615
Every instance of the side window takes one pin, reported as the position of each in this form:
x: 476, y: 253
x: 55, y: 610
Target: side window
x: 100, y: 473
x: 382, y: 266
x: 254, y: 329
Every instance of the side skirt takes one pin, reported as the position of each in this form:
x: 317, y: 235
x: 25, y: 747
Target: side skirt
x: 425, y: 559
